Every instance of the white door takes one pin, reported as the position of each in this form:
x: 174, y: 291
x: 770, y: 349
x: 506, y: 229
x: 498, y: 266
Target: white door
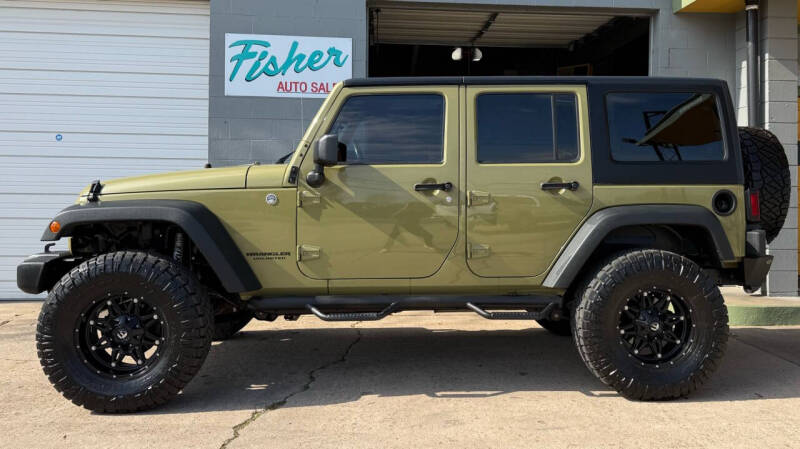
x: 93, y: 89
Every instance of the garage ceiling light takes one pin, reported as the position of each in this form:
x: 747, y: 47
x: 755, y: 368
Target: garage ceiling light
x: 475, y: 53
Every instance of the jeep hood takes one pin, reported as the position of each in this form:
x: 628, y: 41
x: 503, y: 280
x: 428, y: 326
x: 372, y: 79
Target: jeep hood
x: 204, y: 179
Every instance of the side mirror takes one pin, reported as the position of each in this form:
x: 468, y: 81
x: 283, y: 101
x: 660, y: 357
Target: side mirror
x: 327, y: 153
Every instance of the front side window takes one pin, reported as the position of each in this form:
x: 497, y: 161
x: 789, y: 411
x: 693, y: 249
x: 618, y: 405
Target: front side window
x: 392, y: 129
x: 664, y: 127
x: 527, y: 128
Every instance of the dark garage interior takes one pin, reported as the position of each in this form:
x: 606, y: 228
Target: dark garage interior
x: 412, y: 39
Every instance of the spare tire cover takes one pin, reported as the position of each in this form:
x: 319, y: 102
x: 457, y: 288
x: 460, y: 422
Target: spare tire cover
x: 766, y: 169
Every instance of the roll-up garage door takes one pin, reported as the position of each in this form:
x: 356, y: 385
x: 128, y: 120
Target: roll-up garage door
x: 93, y: 90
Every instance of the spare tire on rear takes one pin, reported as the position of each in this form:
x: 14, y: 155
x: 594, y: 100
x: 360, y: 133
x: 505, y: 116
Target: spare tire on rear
x: 766, y: 169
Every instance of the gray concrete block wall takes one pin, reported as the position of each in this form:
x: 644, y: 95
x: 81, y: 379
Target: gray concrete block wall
x: 695, y: 45
x: 248, y: 129
x: 779, y: 71
x: 778, y: 113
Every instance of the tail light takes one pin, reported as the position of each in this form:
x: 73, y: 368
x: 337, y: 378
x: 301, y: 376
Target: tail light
x: 753, y: 206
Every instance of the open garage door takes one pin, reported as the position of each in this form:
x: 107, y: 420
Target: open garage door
x: 93, y: 89
x: 414, y: 39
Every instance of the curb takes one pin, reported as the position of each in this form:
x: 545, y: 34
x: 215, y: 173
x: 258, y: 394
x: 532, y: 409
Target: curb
x: 747, y: 315
x: 754, y: 310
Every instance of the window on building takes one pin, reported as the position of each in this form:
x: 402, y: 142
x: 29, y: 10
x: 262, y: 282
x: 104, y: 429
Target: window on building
x: 392, y: 129
x: 664, y: 127
x: 527, y: 128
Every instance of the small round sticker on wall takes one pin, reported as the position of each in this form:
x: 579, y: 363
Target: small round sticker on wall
x: 59, y: 137
x: 272, y: 199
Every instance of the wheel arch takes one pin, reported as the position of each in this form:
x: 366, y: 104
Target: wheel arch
x: 201, y: 225
x: 604, y: 225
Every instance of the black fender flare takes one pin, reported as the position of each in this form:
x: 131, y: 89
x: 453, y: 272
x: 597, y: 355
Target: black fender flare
x: 200, y: 224
x: 601, y: 223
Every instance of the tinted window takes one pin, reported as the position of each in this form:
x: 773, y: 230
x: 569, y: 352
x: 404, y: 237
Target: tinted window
x: 672, y: 127
x: 391, y: 129
x: 519, y: 128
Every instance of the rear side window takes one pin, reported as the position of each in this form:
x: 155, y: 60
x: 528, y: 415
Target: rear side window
x: 527, y: 128
x: 392, y: 129
x: 664, y: 127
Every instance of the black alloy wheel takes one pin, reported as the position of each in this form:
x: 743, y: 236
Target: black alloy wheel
x: 655, y: 325
x: 120, y: 335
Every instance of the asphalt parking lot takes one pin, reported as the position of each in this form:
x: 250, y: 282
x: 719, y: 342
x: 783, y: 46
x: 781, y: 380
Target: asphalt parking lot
x: 412, y: 380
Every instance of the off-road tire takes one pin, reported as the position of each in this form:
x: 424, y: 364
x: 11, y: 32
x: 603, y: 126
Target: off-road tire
x: 600, y: 306
x: 557, y: 327
x: 227, y: 325
x: 766, y: 169
x: 185, y: 310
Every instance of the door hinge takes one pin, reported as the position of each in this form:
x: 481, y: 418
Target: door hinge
x: 476, y: 198
x: 477, y: 251
x: 307, y: 197
x: 307, y: 252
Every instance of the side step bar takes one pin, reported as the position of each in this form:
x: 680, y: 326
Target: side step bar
x: 374, y: 308
x: 546, y: 313
x: 353, y: 316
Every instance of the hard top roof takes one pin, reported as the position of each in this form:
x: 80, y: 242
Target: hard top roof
x: 633, y: 81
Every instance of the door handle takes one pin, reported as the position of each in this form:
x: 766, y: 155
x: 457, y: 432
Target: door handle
x: 560, y: 185
x: 446, y: 186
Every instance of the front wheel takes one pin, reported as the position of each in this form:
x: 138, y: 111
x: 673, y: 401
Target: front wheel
x: 124, y: 331
x: 651, y: 324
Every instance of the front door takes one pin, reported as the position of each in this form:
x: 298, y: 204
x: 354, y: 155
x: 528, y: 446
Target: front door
x: 391, y: 210
x: 529, y: 181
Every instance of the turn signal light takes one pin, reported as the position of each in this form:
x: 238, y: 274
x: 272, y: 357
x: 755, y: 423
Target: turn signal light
x: 55, y: 227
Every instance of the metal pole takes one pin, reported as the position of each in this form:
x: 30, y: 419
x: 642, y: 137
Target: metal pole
x: 753, y: 69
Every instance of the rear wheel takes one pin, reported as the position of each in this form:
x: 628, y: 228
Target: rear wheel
x: 124, y: 331
x: 651, y: 324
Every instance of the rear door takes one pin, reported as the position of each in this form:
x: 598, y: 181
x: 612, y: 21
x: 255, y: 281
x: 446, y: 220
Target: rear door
x: 528, y: 175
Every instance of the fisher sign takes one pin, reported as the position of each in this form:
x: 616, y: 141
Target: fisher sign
x: 285, y: 66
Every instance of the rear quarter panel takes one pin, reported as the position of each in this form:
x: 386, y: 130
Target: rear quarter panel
x: 700, y: 195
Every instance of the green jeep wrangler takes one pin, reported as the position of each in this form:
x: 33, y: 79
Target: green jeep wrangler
x: 609, y: 209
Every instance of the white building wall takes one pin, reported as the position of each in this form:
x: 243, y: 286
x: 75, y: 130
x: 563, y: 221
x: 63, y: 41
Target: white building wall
x: 93, y: 89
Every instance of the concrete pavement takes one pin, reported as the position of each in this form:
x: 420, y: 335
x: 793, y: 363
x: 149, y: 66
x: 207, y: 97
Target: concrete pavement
x: 415, y: 379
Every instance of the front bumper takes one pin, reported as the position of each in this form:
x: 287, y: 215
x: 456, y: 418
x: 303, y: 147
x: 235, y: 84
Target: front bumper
x: 40, y: 272
x: 756, y: 263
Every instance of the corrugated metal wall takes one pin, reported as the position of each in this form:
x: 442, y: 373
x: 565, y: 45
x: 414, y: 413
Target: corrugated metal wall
x: 93, y: 89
